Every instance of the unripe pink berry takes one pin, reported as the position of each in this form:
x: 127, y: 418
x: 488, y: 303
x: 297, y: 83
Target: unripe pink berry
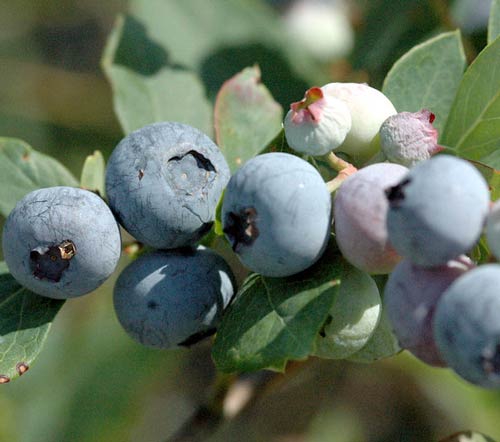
x: 369, y: 109
x: 409, y: 137
x: 317, y: 124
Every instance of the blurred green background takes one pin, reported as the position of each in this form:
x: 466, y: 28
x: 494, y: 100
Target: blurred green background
x: 91, y: 382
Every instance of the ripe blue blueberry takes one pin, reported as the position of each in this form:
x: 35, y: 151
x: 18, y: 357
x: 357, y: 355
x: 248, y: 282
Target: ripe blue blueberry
x: 359, y: 213
x: 163, y: 183
x: 173, y: 297
x: 466, y: 326
x: 437, y: 211
x: 61, y: 242
x: 277, y: 214
x: 410, y: 297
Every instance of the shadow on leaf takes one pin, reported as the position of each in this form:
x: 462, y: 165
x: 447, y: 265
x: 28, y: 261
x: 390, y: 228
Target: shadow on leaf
x: 283, y: 83
x: 138, y: 52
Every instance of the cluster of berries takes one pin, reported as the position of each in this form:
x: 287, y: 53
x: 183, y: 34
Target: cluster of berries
x: 415, y: 218
x: 164, y: 182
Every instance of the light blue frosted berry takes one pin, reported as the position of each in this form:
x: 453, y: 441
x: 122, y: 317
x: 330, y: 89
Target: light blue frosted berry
x: 437, y: 211
x: 163, y: 183
x: 277, y: 214
x: 410, y: 298
x: 173, y: 297
x: 466, y: 326
x: 61, y: 242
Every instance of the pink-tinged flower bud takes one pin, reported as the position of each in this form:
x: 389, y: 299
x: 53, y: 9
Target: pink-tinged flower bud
x: 317, y: 124
x: 369, y: 109
x: 409, y: 137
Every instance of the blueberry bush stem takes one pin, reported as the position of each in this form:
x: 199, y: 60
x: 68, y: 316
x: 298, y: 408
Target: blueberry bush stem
x: 344, y: 169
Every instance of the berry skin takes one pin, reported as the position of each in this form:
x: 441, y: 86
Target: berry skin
x: 276, y: 214
x: 369, y: 109
x: 163, y: 183
x: 493, y: 229
x: 354, y: 316
x: 408, y: 138
x: 61, y: 242
x: 317, y: 124
x: 410, y: 297
x: 359, y: 213
x: 466, y: 326
x: 437, y: 211
x: 173, y: 297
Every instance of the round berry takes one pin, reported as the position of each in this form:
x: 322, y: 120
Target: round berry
x: 317, y: 124
x: 437, y: 211
x: 360, y: 210
x: 410, y: 297
x: 276, y: 214
x: 61, y: 242
x: 369, y: 109
x: 163, y: 183
x: 409, y: 137
x: 173, y: 297
x: 466, y: 326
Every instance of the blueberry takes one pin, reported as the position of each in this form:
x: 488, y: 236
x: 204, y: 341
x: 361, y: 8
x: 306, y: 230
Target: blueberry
x: 61, y: 242
x: 277, y: 214
x: 173, y: 297
x: 408, y: 138
x: 164, y: 181
x: 466, y: 326
x: 317, y: 124
x: 437, y: 211
x: 359, y: 213
x: 410, y: 297
x: 369, y: 108
x: 353, y: 317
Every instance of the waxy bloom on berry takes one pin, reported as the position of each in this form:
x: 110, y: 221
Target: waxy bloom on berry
x: 409, y: 137
x: 317, y: 124
x: 369, y: 109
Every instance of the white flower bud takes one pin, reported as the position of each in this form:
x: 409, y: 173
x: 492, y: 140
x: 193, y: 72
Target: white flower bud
x: 369, y: 109
x: 409, y: 137
x: 317, y: 124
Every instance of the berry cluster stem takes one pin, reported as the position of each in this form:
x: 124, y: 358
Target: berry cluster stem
x: 344, y: 169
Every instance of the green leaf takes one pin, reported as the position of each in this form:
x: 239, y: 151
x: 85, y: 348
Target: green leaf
x: 246, y: 117
x: 146, y: 87
x: 23, y: 170
x: 427, y: 77
x: 218, y: 216
x: 467, y: 436
x: 473, y: 128
x: 391, y: 28
x: 383, y: 344
x: 25, y: 321
x: 492, y: 176
x: 168, y: 59
x: 93, y: 174
x: 494, y: 21
x: 353, y: 317
x: 274, y: 320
